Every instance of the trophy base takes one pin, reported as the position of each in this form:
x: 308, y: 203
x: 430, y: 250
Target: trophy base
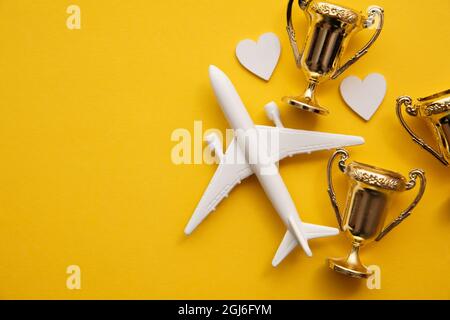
x: 306, y: 104
x: 345, y: 267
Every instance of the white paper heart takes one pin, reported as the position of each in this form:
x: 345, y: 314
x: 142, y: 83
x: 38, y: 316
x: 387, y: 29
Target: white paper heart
x: 364, y: 97
x: 260, y: 57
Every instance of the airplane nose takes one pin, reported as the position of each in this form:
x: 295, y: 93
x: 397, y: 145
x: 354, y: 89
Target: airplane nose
x: 213, y: 71
x: 216, y: 77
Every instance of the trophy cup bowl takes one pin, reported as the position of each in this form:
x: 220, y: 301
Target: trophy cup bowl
x: 331, y: 28
x: 435, y: 111
x: 371, y: 190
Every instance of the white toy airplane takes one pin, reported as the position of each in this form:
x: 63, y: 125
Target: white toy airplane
x: 232, y: 172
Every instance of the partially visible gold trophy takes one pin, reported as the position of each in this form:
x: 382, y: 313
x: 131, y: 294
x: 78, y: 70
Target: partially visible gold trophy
x: 330, y: 30
x: 371, y: 190
x: 435, y: 110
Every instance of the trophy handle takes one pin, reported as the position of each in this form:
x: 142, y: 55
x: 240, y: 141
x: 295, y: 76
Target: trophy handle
x: 344, y: 156
x: 372, y: 12
x: 412, y: 111
x: 291, y: 31
x: 413, y: 175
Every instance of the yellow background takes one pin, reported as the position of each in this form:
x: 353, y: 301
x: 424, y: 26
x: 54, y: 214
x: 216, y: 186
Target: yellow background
x: 86, y: 175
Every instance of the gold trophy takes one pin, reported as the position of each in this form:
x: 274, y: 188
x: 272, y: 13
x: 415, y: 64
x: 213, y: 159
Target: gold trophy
x: 371, y: 190
x: 435, y: 109
x: 331, y: 27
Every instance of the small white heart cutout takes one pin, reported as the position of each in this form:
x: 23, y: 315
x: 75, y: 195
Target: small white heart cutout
x: 366, y: 96
x: 260, y: 57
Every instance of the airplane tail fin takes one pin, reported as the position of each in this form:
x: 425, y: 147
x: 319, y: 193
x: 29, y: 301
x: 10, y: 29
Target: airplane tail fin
x: 299, y: 233
x: 311, y: 231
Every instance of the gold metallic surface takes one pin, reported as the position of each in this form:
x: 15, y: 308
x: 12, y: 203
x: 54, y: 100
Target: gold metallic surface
x: 330, y: 31
x: 363, y: 220
x: 435, y: 111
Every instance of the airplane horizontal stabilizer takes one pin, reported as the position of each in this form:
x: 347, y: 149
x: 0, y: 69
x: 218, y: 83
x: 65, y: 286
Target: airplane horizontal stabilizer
x: 289, y: 242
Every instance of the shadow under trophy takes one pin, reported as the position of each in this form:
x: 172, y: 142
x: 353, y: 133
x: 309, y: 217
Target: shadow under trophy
x: 330, y: 29
x: 435, y: 110
x: 371, y: 190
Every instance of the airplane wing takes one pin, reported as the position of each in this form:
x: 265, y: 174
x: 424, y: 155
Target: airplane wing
x: 292, y: 142
x: 231, y: 171
x: 234, y: 168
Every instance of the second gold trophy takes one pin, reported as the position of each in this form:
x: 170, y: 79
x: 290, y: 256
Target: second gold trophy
x: 330, y: 30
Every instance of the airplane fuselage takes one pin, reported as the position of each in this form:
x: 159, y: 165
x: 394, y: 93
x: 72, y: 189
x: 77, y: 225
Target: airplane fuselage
x: 257, y: 150
x: 239, y: 120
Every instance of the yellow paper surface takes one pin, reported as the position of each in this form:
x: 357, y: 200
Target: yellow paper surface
x: 86, y: 179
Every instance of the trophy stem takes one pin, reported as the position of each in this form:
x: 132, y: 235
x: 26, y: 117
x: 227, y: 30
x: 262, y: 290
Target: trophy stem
x: 352, y: 265
x: 311, y: 91
x: 353, y: 258
x: 308, y: 100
